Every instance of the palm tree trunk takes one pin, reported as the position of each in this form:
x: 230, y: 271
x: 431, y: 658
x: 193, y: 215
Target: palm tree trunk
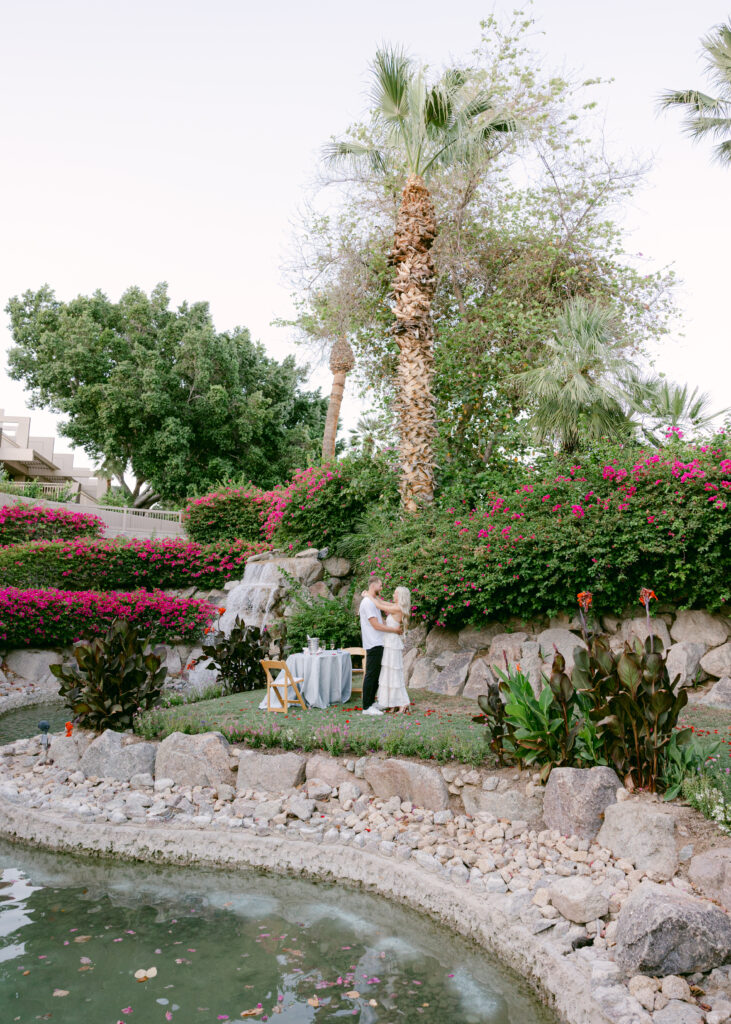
x: 333, y: 415
x: 413, y: 293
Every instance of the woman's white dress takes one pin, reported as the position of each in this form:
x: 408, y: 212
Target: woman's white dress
x: 391, y: 688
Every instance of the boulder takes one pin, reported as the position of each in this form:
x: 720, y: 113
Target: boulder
x: 718, y: 661
x: 328, y: 769
x: 662, y: 930
x: 108, y: 757
x: 410, y: 659
x: 479, y: 679
x: 32, y: 665
x: 711, y: 873
x: 336, y: 567
x: 683, y: 660
x: 477, y: 638
x: 439, y: 640
x: 307, y: 553
x: 533, y: 665
x: 415, y: 637
x: 632, y: 628
x: 423, y: 674
x: 508, y: 804
x: 67, y: 751
x: 200, y: 760
x: 199, y: 677
x: 506, y: 645
x: 302, y: 808
x: 720, y: 694
x: 578, y: 899
x: 638, y: 832
x: 564, y: 640
x: 452, y: 678
x: 575, y: 800
x: 422, y: 785
x: 273, y: 773
x: 678, y: 1012
x: 319, y: 589
x: 699, y: 627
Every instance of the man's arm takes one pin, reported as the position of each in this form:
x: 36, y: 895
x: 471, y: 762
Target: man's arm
x: 383, y: 629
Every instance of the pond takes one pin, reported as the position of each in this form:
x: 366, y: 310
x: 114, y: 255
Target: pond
x: 23, y: 722
x: 218, y: 946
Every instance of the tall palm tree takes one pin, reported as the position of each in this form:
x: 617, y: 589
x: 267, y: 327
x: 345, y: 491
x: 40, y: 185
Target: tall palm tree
x: 417, y: 128
x: 342, y: 362
x: 710, y: 115
x: 672, y: 405
x: 585, y: 389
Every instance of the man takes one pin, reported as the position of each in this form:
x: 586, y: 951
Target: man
x: 371, y: 624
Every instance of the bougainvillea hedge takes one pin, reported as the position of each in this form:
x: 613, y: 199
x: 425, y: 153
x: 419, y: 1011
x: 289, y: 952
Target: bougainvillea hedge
x: 610, y: 524
x: 57, y: 618
x: 122, y: 564
x: 227, y: 514
x: 19, y: 523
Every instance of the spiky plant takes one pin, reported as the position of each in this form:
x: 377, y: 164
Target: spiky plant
x: 342, y: 362
x: 418, y: 127
x: 709, y: 116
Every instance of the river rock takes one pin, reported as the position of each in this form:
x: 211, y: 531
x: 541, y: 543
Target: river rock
x: 477, y: 638
x: 711, y: 873
x: 635, y: 830
x: 327, y: 769
x: 509, y: 804
x: 200, y: 760
x: 699, y: 627
x: 479, y: 679
x: 564, y: 640
x: 632, y: 628
x: 336, y: 566
x: 718, y: 661
x: 422, y: 785
x: 578, y: 899
x: 683, y: 660
x: 32, y: 665
x: 273, y: 773
x: 108, y: 757
x: 440, y: 640
x: 575, y: 800
x: 720, y: 694
x: 662, y: 930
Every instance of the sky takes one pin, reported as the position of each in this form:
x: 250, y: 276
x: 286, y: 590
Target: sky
x: 173, y: 140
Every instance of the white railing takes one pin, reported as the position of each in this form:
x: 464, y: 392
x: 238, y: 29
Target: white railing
x: 119, y: 522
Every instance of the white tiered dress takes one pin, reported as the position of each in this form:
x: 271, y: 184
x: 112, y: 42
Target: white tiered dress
x: 392, y: 692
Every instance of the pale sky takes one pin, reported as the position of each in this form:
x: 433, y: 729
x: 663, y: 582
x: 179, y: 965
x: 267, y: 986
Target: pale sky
x: 151, y: 140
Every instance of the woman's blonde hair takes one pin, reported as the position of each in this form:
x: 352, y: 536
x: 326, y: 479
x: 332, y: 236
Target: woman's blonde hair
x: 402, y: 597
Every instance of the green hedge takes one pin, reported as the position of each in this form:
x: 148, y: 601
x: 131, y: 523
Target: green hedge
x: 23, y: 522
x: 231, y: 513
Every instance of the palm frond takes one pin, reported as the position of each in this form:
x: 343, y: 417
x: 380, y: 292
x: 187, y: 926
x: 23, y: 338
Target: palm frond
x: 392, y: 72
x: 355, y: 155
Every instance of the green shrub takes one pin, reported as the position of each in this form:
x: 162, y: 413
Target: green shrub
x: 230, y: 513
x: 236, y: 657
x: 330, y: 619
x: 113, y: 677
x: 709, y: 791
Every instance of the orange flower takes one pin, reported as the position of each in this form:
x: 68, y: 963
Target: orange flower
x: 69, y: 727
x: 646, y: 596
x: 221, y: 611
x: 584, y: 597
x: 191, y: 664
x: 207, y: 629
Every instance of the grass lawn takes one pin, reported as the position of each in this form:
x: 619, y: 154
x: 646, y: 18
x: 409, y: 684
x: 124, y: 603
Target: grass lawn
x: 435, y: 728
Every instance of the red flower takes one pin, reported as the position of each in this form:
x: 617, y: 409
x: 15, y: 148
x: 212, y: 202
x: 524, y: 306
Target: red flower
x: 646, y: 596
x: 584, y: 597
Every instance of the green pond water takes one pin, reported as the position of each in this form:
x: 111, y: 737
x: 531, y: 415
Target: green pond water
x: 74, y: 932
x: 23, y: 722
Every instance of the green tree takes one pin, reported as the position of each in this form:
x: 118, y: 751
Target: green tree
x: 709, y: 116
x: 160, y: 393
x: 417, y: 127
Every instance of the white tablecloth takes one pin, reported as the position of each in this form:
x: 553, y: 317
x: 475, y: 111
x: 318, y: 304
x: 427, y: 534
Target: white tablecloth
x: 327, y: 678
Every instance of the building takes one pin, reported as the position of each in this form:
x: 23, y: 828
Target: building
x: 28, y: 459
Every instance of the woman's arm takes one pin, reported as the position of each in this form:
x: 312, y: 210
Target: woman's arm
x: 384, y: 606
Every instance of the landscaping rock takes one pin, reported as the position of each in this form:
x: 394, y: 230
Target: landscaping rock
x: 618, y: 1006
x: 300, y: 807
x: 711, y: 873
x: 201, y: 760
x: 699, y: 627
x: 718, y: 661
x: 506, y: 645
x: 564, y: 640
x: 67, y: 751
x: 422, y: 785
x: 328, y: 769
x: 720, y: 694
x: 451, y: 680
x: 635, y: 830
x: 683, y: 660
x: 271, y: 772
x: 673, y: 987
x: 336, y: 567
x: 632, y: 628
x: 424, y: 674
x: 575, y: 799
x: 32, y: 665
x: 677, y: 1012
x: 415, y: 637
x: 410, y: 659
x: 199, y: 677
x: 662, y: 930
x: 109, y: 758
x: 533, y: 665
x: 319, y: 589
x: 510, y: 804
x: 439, y: 640
x: 477, y: 638
x: 479, y: 680
x: 578, y: 899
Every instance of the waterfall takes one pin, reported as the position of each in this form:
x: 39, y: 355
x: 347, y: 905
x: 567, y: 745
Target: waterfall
x: 254, y: 597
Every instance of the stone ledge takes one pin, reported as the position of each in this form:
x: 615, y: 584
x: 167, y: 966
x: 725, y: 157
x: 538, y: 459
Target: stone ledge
x: 487, y: 921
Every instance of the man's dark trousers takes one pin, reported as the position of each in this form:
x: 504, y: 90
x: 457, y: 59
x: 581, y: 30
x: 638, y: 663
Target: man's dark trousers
x: 374, y: 656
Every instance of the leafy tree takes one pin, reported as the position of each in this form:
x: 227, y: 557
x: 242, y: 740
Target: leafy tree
x: 417, y: 127
x: 160, y: 392
x: 709, y: 115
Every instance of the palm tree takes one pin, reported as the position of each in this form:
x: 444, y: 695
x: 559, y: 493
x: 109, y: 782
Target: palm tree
x: 672, y: 405
x: 709, y: 115
x: 585, y: 389
x: 418, y: 127
x: 342, y: 362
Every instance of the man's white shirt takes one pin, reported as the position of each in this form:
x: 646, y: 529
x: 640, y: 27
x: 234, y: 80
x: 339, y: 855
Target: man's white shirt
x: 371, y: 636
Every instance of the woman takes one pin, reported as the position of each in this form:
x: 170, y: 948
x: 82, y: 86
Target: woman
x: 392, y: 695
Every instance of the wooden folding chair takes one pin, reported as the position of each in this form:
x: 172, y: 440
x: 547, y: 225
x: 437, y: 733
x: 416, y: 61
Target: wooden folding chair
x: 358, y: 652
x: 281, y: 683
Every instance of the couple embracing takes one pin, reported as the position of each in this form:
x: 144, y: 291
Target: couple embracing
x: 383, y: 686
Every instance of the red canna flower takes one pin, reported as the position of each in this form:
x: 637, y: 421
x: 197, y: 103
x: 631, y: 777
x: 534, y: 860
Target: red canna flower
x: 585, y: 597
x: 646, y: 596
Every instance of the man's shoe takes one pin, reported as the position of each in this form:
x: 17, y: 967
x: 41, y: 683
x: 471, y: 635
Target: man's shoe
x: 372, y: 710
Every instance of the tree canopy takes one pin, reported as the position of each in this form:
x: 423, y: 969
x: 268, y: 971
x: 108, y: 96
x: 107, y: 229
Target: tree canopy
x: 160, y: 393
